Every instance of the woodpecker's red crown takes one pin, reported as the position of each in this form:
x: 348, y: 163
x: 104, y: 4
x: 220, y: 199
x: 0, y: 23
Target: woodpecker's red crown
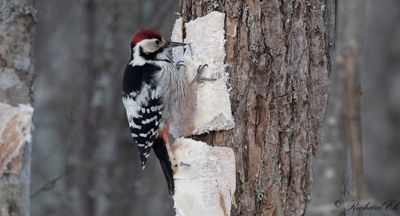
x: 145, y: 34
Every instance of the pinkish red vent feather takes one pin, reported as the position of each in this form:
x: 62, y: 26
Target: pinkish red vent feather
x: 145, y: 34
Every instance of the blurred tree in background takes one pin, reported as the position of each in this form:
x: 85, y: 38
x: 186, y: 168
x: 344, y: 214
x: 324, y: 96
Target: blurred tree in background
x: 85, y: 162
x: 368, y: 37
x: 17, y: 27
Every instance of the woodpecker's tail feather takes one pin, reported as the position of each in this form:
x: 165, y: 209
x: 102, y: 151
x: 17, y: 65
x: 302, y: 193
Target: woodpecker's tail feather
x: 144, y: 153
x: 162, y: 154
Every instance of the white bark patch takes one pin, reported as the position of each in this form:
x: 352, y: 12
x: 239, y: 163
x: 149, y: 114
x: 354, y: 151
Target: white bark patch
x: 206, y: 187
x: 15, y: 131
x: 206, y: 36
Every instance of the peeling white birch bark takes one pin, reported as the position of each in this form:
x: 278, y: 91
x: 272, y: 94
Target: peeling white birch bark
x: 205, y: 179
x: 15, y: 131
x: 206, y: 36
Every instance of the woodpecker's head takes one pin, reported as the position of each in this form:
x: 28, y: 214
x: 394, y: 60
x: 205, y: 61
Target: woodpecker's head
x: 150, y: 43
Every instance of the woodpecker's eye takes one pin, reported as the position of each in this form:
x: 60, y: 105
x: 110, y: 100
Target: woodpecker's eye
x: 157, y: 42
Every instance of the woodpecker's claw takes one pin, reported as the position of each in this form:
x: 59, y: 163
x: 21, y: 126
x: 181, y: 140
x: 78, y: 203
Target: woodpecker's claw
x: 200, y: 71
x: 180, y: 64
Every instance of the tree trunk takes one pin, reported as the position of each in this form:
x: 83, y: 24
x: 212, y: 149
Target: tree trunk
x: 16, y: 78
x: 278, y: 55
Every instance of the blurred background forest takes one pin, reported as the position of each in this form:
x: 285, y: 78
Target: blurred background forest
x: 84, y: 162
x: 83, y: 146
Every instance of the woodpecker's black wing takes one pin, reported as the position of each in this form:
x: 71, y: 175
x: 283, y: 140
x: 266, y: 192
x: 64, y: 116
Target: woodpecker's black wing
x: 143, y: 104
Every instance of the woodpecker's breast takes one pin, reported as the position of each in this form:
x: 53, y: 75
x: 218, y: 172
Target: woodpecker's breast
x: 178, y: 95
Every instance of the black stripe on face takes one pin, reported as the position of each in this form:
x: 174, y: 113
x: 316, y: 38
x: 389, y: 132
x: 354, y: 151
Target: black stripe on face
x: 150, y: 56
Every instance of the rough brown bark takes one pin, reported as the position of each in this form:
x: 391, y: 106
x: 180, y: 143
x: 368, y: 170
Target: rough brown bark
x: 278, y: 56
x: 16, y: 78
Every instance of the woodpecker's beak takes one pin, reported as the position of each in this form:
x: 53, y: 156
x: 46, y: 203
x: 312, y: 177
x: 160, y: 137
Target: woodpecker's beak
x: 170, y: 44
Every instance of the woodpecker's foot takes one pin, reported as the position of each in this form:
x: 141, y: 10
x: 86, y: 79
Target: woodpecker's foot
x: 179, y: 65
x: 199, y: 78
